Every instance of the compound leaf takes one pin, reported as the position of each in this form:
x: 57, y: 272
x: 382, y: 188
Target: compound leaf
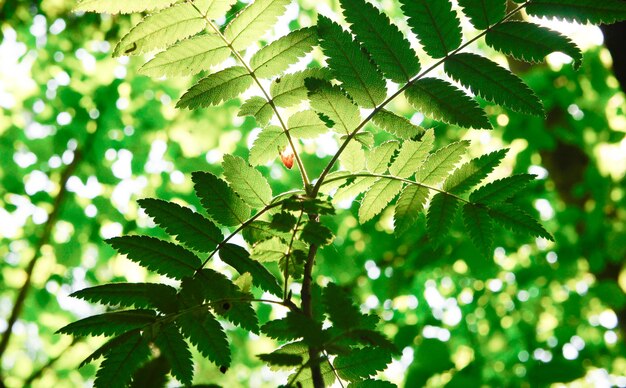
x: 206, y: 333
x: 440, y: 216
x: 473, y: 172
x: 383, y: 40
x: 378, y: 197
x: 435, y: 24
x: 350, y: 65
x: 408, y: 207
x: 439, y: 164
x: 501, y: 189
x: 443, y: 101
x: 247, y: 182
x: 140, y: 295
x: 175, y: 350
x: 412, y: 155
x: 122, y: 360
x: 189, y: 227
x: 518, y: 220
x: 493, y: 82
x: 217, y: 87
x: 157, y: 255
x: 110, y: 324
x: 480, y: 228
x: 219, y: 199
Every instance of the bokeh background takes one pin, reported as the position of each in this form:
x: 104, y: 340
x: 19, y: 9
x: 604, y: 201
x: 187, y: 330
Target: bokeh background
x: 82, y: 136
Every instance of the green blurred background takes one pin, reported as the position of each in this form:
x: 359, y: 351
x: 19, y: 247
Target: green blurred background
x: 82, y: 136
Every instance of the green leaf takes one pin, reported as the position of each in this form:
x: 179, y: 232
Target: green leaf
x: 480, y: 228
x: 217, y: 87
x: 188, y: 57
x: 493, y: 82
x: 121, y: 361
x: 189, y: 227
x: 153, y: 373
x: 317, y: 234
x: 284, y: 222
x: 442, y: 101
x: 227, y: 300
x: 219, y: 199
x: 361, y: 363
x: 161, y: 29
x: 290, y: 89
x: 140, y: 295
x: 340, y: 309
x: 281, y: 359
x: 582, y: 11
x: 440, y: 216
x: 484, y: 13
x: 372, y: 338
x: 330, y: 101
x: 501, y: 189
x: 206, y: 333
x: 247, y: 182
x: 110, y: 324
x: 378, y: 197
x: 412, y: 155
x: 378, y: 158
x: 396, y: 125
x: 273, y: 249
x: 259, y: 108
x: 109, y: 345
x: 530, y: 42
x: 350, y: 65
x: 174, y: 348
x: 238, y: 258
x: 270, y: 141
x: 353, y: 157
x: 383, y: 40
x: 439, y: 164
x: 253, y: 22
x: 157, y: 255
x: 277, y: 56
x: 435, y: 24
x: 351, y: 190
x: 408, y: 207
x: 518, y: 220
x: 306, y: 125
x: 280, y: 329
x: 121, y: 6
x: 473, y: 172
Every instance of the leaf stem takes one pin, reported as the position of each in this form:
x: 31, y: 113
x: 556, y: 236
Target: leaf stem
x: 293, y: 237
x: 421, y: 75
x: 268, y: 98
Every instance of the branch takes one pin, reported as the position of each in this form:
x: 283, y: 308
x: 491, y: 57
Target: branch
x: 270, y: 101
x: 352, y: 134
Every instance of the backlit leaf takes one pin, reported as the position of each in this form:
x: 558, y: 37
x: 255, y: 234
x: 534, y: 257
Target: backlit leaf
x: 219, y: 199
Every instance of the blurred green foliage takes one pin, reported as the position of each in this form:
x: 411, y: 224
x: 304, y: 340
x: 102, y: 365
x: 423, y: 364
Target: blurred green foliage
x: 536, y: 315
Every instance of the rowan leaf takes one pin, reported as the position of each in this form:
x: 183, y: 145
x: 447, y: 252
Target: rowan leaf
x: 188, y: 57
x: 517, y: 220
x: 281, y: 359
x: 277, y: 56
x: 110, y: 324
x: 396, y: 125
x: 442, y: 101
x: 435, y: 24
x: 205, y: 332
x: 354, y: 188
x: 189, y: 227
x: 306, y: 125
x: 581, y: 11
x: 290, y: 89
x: 379, y: 158
x: 140, y: 295
x: 473, y: 172
x: 493, y: 82
x: 341, y: 310
x: 411, y: 156
x: 378, y: 197
x: 238, y: 258
x: 350, y: 65
x: 253, y: 22
x: 439, y: 164
x: 315, y: 233
x: 157, y: 255
x: 408, y: 207
x: 353, y: 157
x: 215, y: 88
x: 121, y: 6
x: 479, y: 227
x: 270, y: 141
x: 330, y: 101
x: 247, y: 182
x: 389, y: 49
x: 121, y: 361
x: 258, y: 108
x: 220, y: 201
x: 361, y: 363
x: 530, y: 42
x: 440, y: 216
x: 501, y: 189
x: 273, y: 249
x: 175, y: 350
x: 484, y: 13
